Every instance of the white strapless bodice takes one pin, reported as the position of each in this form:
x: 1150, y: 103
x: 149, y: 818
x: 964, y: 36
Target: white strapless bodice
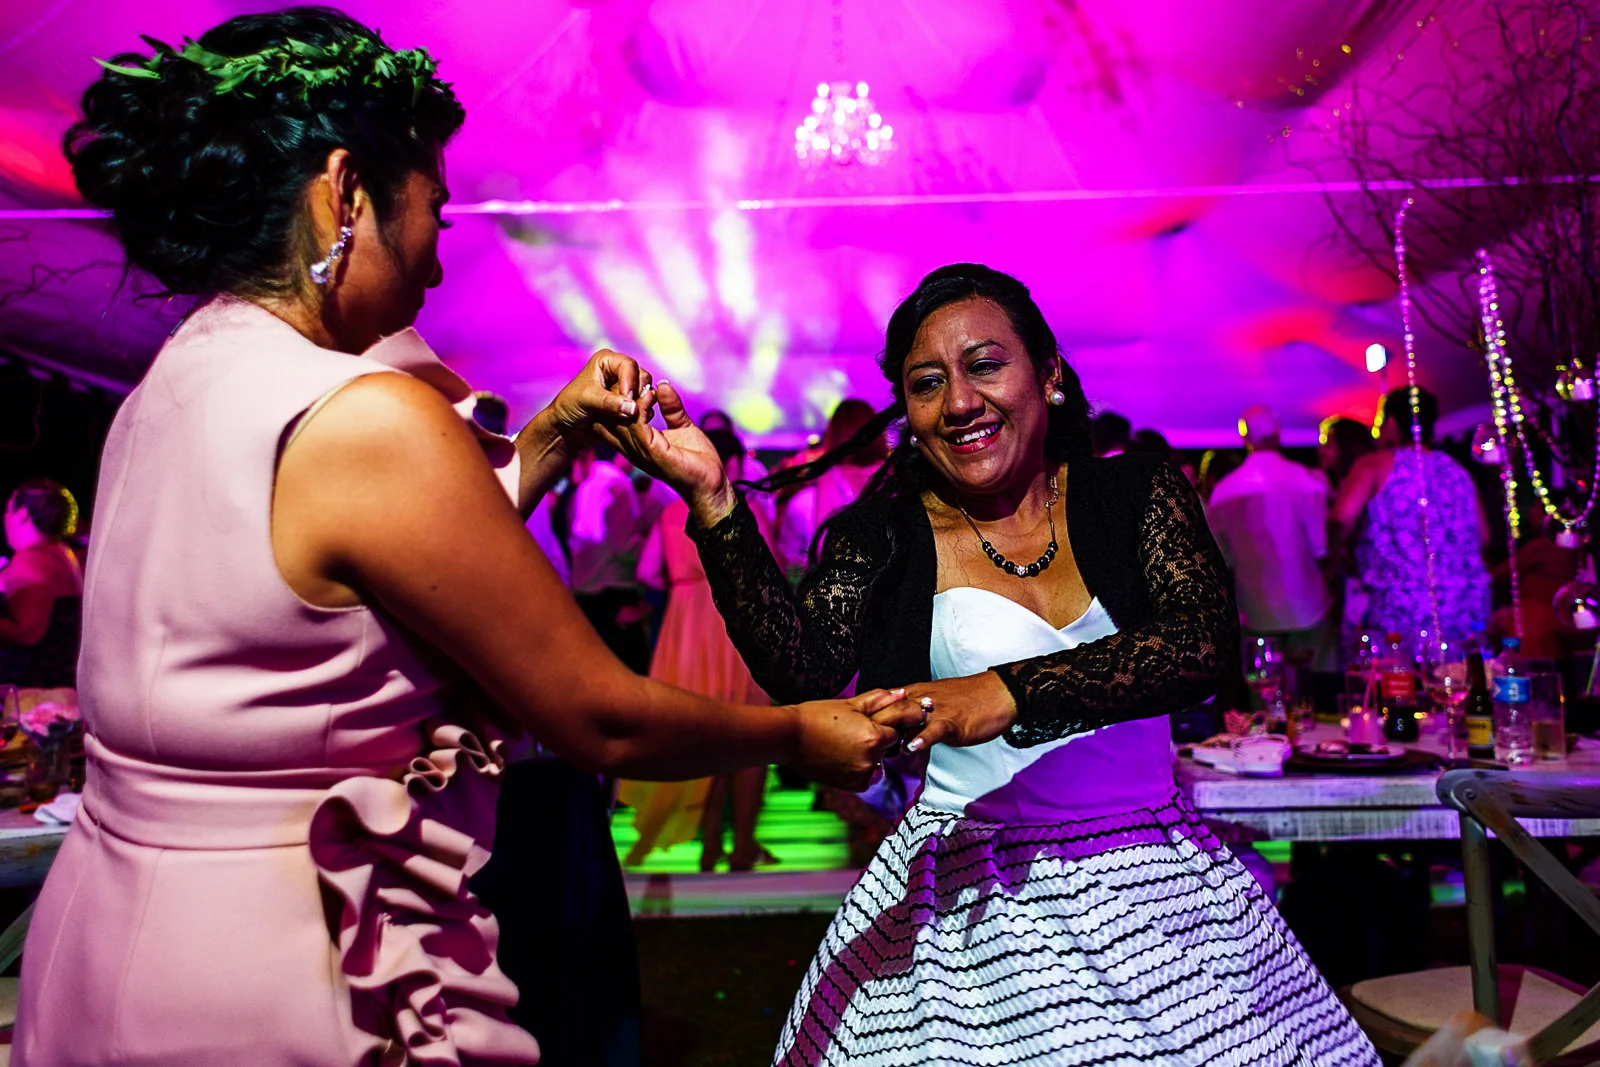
x: 1113, y: 769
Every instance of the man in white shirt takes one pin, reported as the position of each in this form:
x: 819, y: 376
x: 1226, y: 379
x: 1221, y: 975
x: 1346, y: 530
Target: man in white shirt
x: 1270, y: 519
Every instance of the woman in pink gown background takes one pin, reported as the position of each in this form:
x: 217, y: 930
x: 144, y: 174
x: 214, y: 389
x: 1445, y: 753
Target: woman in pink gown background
x: 311, y: 610
x: 693, y: 652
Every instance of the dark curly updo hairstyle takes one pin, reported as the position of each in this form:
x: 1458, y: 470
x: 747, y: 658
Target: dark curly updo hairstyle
x: 205, y: 187
x: 906, y: 472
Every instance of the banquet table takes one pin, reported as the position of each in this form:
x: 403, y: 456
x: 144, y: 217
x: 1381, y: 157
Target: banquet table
x: 27, y: 848
x: 1323, y: 806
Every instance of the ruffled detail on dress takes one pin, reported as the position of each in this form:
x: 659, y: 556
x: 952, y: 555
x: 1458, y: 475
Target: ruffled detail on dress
x: 416, y: 947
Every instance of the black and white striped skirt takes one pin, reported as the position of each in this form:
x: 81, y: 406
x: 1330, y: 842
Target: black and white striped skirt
x: 1130, y: 939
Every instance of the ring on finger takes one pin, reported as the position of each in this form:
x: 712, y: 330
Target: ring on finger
x: 926, y: 704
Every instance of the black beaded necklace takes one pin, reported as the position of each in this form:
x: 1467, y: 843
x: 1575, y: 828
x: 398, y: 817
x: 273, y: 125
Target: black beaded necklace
x: 1022, y: 570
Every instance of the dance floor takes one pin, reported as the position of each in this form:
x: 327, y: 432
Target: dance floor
x: 812, y: 874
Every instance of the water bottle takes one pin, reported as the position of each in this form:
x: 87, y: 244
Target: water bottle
x: 1513, y: 719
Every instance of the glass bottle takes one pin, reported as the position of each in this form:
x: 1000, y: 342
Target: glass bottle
x: 1478, y: 711
x: 1398, y: 691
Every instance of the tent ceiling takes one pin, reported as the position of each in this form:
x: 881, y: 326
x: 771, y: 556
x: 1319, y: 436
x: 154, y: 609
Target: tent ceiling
x: 1178, y: 307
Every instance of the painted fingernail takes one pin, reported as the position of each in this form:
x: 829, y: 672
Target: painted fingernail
x: 914, y: 745
x: 629, y: 408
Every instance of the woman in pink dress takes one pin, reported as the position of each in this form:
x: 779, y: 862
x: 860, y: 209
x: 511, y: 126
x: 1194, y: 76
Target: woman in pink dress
x: 693, y: 651
x: 311, y: 610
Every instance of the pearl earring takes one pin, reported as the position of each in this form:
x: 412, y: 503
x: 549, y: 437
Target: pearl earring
x: 1056, y: 398
x: 323, y: 270
x: 914, y: 441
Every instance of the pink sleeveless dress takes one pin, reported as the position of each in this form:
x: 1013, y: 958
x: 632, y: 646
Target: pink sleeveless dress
x: 284, y: 802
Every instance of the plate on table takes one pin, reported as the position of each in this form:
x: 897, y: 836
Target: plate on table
x: 1339, y: 758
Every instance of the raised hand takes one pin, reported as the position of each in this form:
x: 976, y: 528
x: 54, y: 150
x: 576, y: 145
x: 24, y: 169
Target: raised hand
x: 840, y: 745
x: 680, y: 455
x: 609, y: 391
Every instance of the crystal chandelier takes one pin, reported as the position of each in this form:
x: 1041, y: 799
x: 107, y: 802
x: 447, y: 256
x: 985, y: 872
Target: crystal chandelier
x: 843, y: 128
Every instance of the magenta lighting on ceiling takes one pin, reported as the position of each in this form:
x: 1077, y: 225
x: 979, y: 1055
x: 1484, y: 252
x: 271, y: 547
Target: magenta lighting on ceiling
x: 869, y: 200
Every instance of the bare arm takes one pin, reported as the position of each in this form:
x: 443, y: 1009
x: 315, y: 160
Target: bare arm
x: 385, y: 496
x: 28, y: 603
x: 1355, y: 493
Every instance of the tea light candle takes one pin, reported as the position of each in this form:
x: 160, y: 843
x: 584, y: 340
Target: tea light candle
x: 1365, y: 727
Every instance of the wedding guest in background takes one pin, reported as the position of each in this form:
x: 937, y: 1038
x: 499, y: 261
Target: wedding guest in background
x: 41, y: 615
x: 1377, y: 511
x: 491, y: 411
x: 693, y: 652
x: 802, y: 511
x: 1270, y: 519
x: 1150, y: 443
x: 1340, y: 442
x: 754, y: 469
x: 1215, y: 465
x: 598, y: 522
x: 1109, y: 433
x: 1542, y: 567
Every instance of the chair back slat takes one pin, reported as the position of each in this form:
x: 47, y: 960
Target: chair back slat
x: 12, y: 937
x: 1492, y: 801
x: 1541, y: 795
x: 1480, y: 797
x: 1548, y: 1043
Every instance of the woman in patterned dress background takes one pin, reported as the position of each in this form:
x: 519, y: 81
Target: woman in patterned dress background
x: 1378, y: 512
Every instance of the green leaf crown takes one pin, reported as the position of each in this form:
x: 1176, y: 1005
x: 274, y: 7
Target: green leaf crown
x: 350, y: 62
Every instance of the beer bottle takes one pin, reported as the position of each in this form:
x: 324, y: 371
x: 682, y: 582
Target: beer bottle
x: 1478, y: 711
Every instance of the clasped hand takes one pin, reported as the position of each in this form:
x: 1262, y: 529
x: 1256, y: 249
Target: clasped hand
x: 964, y: 711
x: 616, y: 399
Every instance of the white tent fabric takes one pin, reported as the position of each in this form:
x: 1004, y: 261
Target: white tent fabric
x: 1141, y: 164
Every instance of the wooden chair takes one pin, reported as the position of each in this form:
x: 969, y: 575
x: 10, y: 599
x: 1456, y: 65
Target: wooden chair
x: 11, y: 939
x: 1558, y: 1017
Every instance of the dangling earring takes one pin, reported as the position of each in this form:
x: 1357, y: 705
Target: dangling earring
x: 323, y: 270
x: 1056, y: 398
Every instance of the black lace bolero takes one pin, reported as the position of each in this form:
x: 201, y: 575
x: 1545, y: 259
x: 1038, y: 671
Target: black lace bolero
x: 1142, y: 545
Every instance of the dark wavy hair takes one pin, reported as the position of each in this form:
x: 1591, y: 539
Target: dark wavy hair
x: 205, y: 189
x: 906, y: 472
x: 1395, y: 407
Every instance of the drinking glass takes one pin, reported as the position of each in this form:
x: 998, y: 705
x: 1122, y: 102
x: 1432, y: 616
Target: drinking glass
x: 1547, y: 720
x: 1263, y: 666
x: 10, y: 713
x: 1444, y: 670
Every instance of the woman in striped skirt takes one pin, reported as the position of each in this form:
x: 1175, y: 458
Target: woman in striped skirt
x: 1051, y: 898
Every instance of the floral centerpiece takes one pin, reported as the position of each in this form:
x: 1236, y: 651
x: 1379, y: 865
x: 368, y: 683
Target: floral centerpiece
x: 48, y: 724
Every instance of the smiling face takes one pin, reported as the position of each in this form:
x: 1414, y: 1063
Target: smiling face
x: 975, y: 400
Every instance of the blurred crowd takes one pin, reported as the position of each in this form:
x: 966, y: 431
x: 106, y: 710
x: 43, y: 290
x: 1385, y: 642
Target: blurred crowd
x: 1325, y: 546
